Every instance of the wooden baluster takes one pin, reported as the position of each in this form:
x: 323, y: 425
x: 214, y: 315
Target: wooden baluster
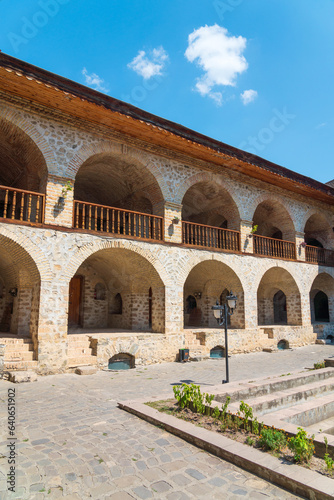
x: 112, y: 221
x: 139, y: 226
x: 22, y: 206
x: 37, y: 208
x: 101, y: 218
x: 6, y: 205
x: 118, y: 222
x: 124, y: 228
x: 107, y: 223
x: 90, y: 217
x: 95, y: 218
x: 29, y: 208
x: 14, y: 205
x: 83, y: 222
x: 76, y: 208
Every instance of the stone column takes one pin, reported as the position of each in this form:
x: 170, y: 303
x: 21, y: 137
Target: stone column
x: 24, y: 298
x: 173, y: 230
x: 250, y: 310
x: 173, y: 309
x: 59, y: 201
x: 246, y: 241
x: 305, y: 308
x: 300, y: 249
x: 52, y: 327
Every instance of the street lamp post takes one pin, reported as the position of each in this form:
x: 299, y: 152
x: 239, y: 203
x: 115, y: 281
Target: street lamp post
x: 221, y: 313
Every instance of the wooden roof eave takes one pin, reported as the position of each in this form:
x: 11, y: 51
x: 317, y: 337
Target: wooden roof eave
x: 46, y: 94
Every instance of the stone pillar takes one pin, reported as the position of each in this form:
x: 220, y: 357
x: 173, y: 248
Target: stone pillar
x: 59, y: 201
x: 246, y: 239
x: 300, y: 248
x: 52, y: 327
x: 2, y: 357
x: 250, y: 310
x: 304, y: 316
x: 24, y: 298
x: 173, y: 230
x: 173, y: 309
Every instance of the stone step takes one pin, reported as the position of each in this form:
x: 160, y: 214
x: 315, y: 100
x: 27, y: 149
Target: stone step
x: 21, y: 355
x: 15, y: 341
x: 81, y: 361
x: 26, y: 347
x: 20, y: 365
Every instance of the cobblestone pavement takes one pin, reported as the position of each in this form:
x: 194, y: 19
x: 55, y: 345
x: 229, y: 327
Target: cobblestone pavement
x: 74, y: 443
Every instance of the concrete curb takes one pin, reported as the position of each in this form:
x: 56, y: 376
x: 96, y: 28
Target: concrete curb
x: 294, y: 478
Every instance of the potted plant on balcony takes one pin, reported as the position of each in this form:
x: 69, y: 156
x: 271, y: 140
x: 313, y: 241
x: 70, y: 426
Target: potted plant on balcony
x: 66, y: 188
x: 253, y: 230
x: 176, y: 220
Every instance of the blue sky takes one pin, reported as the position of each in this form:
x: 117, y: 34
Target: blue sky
x: 255, y: 74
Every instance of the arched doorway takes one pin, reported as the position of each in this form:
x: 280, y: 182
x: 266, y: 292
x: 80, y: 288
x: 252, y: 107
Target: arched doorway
x: 321, y: 310
x: 278, y: 299
x: 133, y: 298
x: 280, y: 316
x: 206, y: 282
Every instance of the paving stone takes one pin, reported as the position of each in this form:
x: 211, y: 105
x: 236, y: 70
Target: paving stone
x: 142, y: 492
x: 217, y: 481
x: 195, y: 474
x: 161, y: 487
x: 181, y: 480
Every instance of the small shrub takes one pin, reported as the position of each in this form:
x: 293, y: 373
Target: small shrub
x: 224, y: 407
x: 271, y: 439
x: 247, y: 412
x: 255, y: 426
x: 216, y: 412
x: 329, y: 463
x: 250, y: 441
x: 318, y: 365
x: 301, y: 446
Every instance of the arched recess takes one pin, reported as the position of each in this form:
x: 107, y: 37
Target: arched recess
x: 273, y: 220
x: 22, y: 163
x: 318, y: 231
x: 209, y: 203
x: 207, y: 280
x: 129, y: 304
x: 322, y: 299
x: 117, y: 181
x: 278, y: 298
x: 20, y: 283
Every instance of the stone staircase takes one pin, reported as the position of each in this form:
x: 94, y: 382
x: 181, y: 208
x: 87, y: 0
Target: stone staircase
x: 269, y: 344
x: 19, y: 354
x: 79, y: 351
x: 196, y: 346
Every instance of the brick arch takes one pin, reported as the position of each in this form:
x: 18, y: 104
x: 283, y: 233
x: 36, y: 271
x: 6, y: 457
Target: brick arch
x: 34, y: 261
x: 188, y: 264
x: 270, y: 197
x: 225, y: 183
x: 313, y: 211
x: 114, y: 149
x: 88, y: 250
x: 256, y: 279
x: 36, y: 137
x: 324, y: 282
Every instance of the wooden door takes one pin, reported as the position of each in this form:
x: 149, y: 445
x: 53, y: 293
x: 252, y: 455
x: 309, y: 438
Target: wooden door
x: 74, y: 306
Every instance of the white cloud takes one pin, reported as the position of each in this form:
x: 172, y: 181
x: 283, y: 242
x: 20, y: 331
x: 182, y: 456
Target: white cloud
x: 93, y: 80
x: 219, y: 55
x: 321, y: 125
x: 248, y: 96
x: 149, y: 65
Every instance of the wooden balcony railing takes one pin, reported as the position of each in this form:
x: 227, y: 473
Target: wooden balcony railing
x: 321, y: 256
x: 200, y: 235
x: 272, y: 247
x: 117, y: 221
x: 17, y: 204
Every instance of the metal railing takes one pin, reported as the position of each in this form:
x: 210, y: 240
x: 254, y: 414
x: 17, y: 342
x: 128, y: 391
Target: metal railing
x: 321, y: 256
x: 271, y: 247
x: 21, y: 205
x: 104, y: 219
x: 200, y: 235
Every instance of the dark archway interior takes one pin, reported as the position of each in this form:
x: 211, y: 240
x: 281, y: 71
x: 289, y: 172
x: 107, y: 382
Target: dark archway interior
x: 22, y: 164
x: 321, y: 310
x: 280, y: 314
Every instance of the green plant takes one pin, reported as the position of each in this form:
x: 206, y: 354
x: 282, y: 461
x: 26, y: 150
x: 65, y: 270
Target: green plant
x: 301, y: 446
x: 318, y: 365
x: 254, y: 228
x: 250, y: 441
x: 224, y: 407
x: 329, y: 463
x: 255, y: 426
x: 216, y: 412
x: 272, y: 439
x: 247, y: 412
x: 66, y: 188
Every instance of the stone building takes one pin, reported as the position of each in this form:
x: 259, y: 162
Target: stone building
x: 119, y: 230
